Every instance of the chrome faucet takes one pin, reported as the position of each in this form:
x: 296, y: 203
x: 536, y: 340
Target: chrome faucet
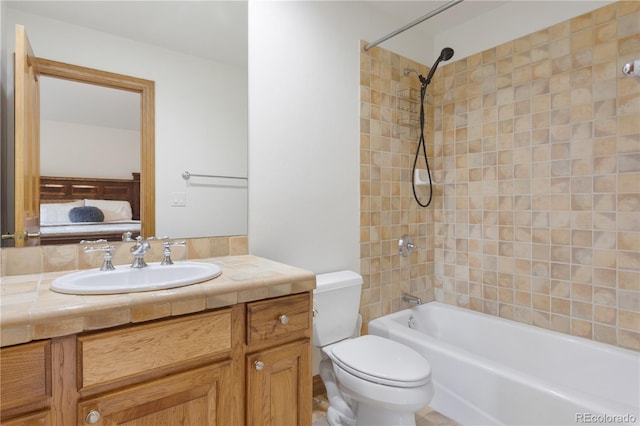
x: 411, y: 299
x: 138, y: 251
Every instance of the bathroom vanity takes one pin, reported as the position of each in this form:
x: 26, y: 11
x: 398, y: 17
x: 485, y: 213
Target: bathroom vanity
x: 231, y: 351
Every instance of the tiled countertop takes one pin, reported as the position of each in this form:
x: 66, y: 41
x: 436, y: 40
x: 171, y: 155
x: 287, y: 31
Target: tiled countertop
x: 29, y: 310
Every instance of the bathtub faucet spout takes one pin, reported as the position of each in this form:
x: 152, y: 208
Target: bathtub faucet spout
x: 411, y: 299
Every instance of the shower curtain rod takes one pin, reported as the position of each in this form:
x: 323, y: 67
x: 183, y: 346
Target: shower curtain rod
x: 434, y: 12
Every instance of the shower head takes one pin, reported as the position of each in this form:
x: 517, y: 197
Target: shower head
x: 445, y: 55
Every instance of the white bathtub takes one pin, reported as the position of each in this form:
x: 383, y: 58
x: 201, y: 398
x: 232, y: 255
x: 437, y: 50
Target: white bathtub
x: 488, y: 370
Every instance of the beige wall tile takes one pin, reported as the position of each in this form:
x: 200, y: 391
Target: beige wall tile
x: 20, y: 261
x: 59, y: 258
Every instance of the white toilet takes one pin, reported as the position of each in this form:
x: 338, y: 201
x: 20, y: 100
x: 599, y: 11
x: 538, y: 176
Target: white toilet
x: 370, y: 380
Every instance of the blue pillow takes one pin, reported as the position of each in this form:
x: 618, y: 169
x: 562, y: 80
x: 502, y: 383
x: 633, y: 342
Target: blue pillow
x: 86, y: 214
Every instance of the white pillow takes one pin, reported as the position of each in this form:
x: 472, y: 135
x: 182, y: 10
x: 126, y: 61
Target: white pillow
x: 112, y: 210
x: 57, y: 213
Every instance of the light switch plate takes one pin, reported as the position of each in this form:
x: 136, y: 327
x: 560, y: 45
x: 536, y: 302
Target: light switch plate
x: 178, y: 199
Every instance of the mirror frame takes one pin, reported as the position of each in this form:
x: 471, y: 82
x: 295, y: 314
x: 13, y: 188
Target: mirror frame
x: 146, y: 89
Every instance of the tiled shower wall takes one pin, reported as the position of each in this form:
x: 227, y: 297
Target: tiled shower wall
x: 388, y: 141
x: 537, y: 164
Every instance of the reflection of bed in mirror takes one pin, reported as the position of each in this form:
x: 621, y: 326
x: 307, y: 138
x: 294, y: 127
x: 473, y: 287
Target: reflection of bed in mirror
x: 78, y: 208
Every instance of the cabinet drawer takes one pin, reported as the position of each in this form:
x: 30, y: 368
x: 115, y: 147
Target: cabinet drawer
x: 25, y: 374
x: 277, y: 317
x: 119, y: 354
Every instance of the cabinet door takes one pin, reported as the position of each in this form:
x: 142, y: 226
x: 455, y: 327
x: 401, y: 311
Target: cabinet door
x: 279, y: 386
x: 197, y: 397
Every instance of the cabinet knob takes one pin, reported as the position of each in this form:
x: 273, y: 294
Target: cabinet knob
x: 259, y: 365
x: 92, y: 417
x: 284, y: 320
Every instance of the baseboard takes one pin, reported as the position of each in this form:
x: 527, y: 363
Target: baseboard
x: 318, y: 386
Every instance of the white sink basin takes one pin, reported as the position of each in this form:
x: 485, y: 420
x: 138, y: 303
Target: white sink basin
x: 125, y: 279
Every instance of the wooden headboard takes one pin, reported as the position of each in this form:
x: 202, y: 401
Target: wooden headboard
x: 65, y: 189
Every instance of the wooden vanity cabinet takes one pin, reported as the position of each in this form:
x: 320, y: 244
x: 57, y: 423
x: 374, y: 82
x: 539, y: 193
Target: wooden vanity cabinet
x: 245, y: 364
x: 278, y: 361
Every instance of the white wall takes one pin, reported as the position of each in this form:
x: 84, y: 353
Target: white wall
x: 79, y: 150
x: 201, y: 119
x: 304, y: 69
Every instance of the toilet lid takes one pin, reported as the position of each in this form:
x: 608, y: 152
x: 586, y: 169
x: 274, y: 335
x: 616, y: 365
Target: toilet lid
x: 381, y: 360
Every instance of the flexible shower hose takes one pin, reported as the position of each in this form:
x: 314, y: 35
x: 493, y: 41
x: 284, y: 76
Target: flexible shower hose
x: 421, y: 143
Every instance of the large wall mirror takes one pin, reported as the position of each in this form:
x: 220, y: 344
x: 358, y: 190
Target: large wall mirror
x: 200, y: 99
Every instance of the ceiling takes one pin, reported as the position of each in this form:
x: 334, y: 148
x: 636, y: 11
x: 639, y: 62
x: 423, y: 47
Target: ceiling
x: 214, y: 30
x: 218, y: 30
x: 406, y: 12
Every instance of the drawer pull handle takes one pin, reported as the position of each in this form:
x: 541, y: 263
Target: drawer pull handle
x: 259, y: 365
x: 92, y: 417
x: 284, y: 320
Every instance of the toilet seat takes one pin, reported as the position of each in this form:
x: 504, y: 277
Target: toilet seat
x: 379, y: 360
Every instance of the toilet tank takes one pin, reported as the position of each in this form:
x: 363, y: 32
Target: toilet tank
x: 336, y: 301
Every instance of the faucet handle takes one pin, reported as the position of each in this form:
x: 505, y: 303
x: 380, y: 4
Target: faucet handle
x: 406, y: 246
x: 100, y: 241
x: 127, y: 237
x: 158, y: 238
x: 166, y: 254
x: 139, y: 250
x: 138, y: 243
x: 107, y: 249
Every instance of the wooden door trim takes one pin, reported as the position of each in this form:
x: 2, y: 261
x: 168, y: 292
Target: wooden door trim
x: 146, y: 89
x: 26, y: 141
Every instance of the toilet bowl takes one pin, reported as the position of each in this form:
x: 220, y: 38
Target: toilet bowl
x: 370, y: 380
x: 389, y: 381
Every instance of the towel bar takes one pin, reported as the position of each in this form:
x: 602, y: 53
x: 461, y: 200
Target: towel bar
x: 187, y: 176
